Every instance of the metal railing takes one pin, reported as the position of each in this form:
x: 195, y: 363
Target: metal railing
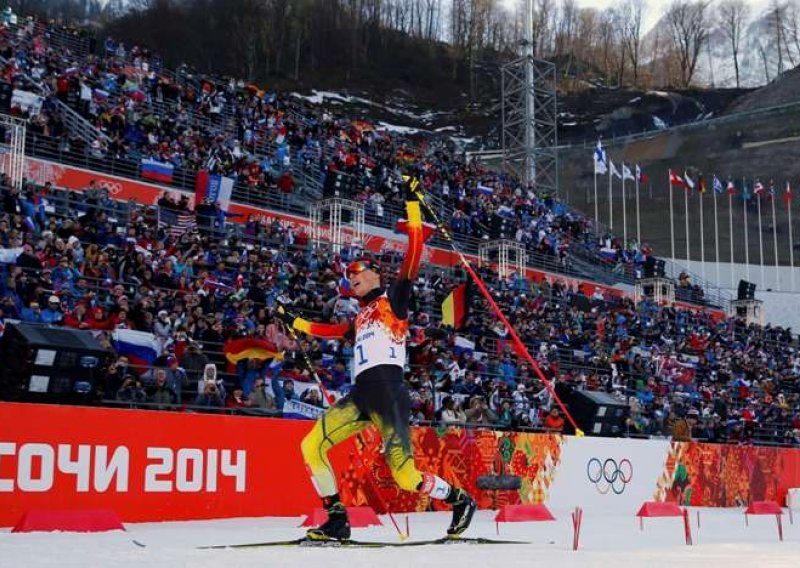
x: 77, y: 125
x: 748, y: 115
x: 567, y: 358
x: 53, y: 149
x: 72, y: 41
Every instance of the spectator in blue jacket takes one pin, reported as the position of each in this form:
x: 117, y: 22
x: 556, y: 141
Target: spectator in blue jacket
x: 33, y: 313
x: 52, y: 314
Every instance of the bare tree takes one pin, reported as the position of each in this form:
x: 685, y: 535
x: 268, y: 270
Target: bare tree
x: 543, y: 16
x: 732, y: 15
x: 776, y: 18
x: 763, y: 53
x: 606, y: 42
x: 631, y: 19
x: 688, y: 25
x: 793, y: 25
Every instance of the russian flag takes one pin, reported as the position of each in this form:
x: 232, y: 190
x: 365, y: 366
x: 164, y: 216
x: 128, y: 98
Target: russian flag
x: 485, y: 189
x: 345, y: 290
x: 140, y: 347
x: 462, y: 344
x: 157, y: 171
x: 213, y: 187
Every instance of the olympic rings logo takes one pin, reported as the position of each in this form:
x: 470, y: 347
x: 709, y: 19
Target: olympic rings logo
x: 609, y: 475
x: 113, y: 187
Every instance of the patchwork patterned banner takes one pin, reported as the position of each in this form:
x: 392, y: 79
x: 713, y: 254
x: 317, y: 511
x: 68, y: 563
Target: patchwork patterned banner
x: 459, y: 456
x: 715, y: 475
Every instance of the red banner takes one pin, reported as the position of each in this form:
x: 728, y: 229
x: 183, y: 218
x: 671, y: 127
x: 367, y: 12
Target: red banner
x: 159, y: 466
x: 150, y: 466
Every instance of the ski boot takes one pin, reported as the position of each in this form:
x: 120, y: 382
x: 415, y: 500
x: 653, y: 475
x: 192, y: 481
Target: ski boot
x: 337, y: 527
x: 463, y: 509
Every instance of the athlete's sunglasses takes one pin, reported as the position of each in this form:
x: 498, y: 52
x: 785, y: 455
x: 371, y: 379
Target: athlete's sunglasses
x: 359, y: 266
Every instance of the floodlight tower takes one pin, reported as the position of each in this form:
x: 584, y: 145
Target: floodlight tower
x: 529, y: 115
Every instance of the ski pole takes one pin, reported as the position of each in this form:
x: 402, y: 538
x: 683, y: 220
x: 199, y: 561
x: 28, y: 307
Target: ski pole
x: 486, y: 294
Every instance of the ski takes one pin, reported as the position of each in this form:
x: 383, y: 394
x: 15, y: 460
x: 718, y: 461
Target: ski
x: 363, y: 544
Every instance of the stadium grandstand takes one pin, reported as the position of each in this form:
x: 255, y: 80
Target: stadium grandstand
x: 193, y: 277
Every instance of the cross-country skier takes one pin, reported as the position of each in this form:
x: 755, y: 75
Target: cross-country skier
x: 380, y: 395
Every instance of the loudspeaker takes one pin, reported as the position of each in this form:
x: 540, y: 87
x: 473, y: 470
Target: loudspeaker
x: 6, y: 94
x: 747, y: 291
x: 654, y: 267
x: 50, y: 364
x: 338, y: 184
x: 598, y: 413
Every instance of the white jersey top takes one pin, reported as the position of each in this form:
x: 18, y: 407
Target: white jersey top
x: 380, y: 336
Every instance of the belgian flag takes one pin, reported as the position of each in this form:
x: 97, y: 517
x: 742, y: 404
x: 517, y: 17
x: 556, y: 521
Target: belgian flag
x: 455, y: 307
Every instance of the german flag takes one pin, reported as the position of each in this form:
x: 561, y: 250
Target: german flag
x: 455, y: 307
x: 250, y: 348
x: 701, y: 184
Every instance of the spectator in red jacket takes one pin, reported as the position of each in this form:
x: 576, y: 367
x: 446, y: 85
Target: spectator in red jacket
x: 554, y: 421
x: 285, y: 183
x: 78, y: 318
x: 236, y: 399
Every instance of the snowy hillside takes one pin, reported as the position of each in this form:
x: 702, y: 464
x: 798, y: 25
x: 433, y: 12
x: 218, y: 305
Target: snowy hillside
x: 759, y: 60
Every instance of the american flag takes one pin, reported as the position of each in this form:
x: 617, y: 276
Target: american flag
x: 176, y: 223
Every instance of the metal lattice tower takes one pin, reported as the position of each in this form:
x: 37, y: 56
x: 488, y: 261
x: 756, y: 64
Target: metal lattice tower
x: 337, y: 221
x: 529, y: 116
x: 12, y: 146
x: 508, y: 256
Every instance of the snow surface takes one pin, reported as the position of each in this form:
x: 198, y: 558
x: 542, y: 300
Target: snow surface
x: 396, y: 128
x: 328, y: 97
x: 607, y: 541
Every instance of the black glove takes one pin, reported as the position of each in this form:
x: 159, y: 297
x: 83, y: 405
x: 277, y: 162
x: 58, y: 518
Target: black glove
x: 411, y: 185
x: 286, y: 317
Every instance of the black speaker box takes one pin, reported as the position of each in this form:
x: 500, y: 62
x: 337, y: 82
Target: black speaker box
x: 598, y: 413
x: 50, y: 364
x: 6, y: 93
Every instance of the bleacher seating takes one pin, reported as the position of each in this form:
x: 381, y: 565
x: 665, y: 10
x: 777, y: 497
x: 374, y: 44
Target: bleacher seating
x: 110, y: 265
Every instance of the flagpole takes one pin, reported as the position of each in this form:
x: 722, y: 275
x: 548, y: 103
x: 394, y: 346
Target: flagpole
x: 671, y: 218
x: 624, y: 213
x: 746, y: 236
x: 686, y: 207
x: 730, y: 231
x: 775, y: 240
x: 761, y: 244
x: 610, y: 200
x: 716, y: 234
x: 702, y: 236
x: 791, y: 244
x: 638, y: 220
x: 596, y: 206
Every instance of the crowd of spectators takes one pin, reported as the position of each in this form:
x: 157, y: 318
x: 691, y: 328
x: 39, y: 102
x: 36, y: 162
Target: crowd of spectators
x: 69, y: 260
x: 682, y: 373
x: 227, y: 126
x: 264, y: 138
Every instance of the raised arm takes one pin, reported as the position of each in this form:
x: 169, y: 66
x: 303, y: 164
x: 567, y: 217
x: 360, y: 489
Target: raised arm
x: 323, y: 330
x: 418, y: 232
